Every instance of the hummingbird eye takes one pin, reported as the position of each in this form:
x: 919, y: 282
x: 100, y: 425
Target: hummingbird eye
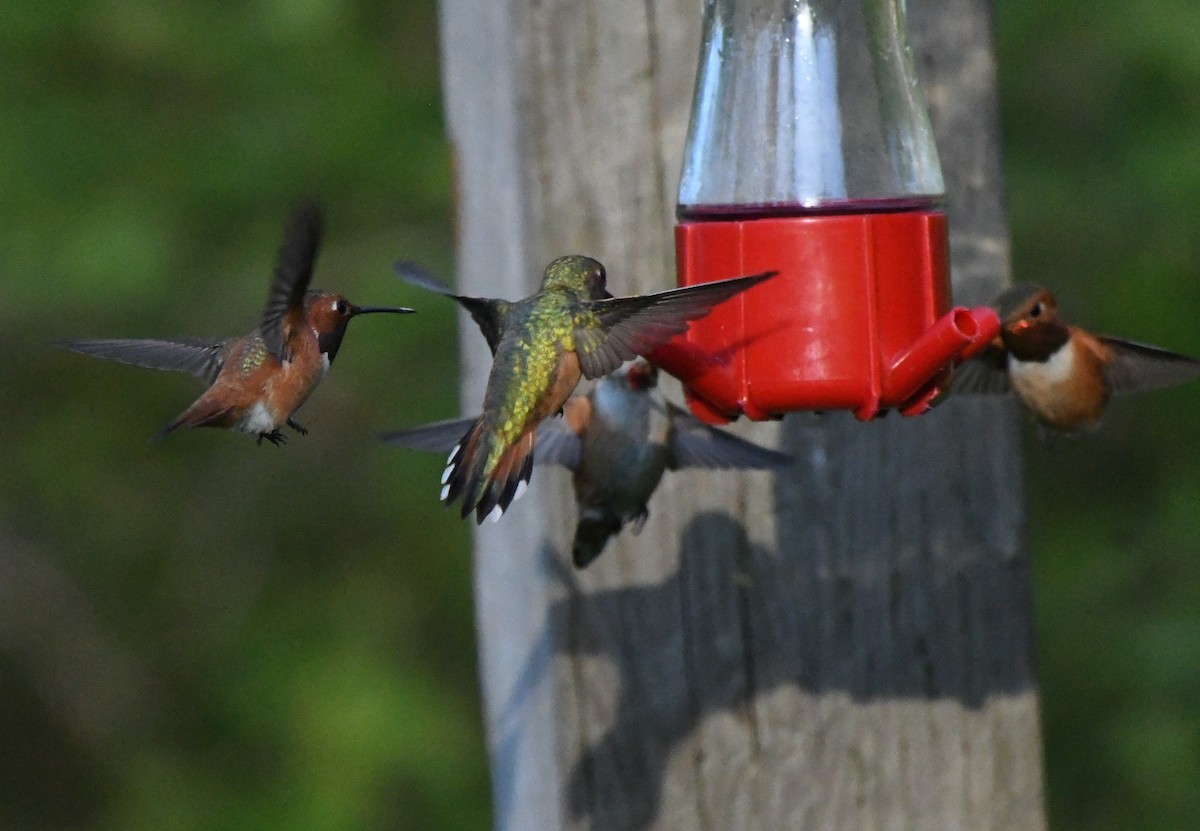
x: 1036, y: 311
x: 339, y: 306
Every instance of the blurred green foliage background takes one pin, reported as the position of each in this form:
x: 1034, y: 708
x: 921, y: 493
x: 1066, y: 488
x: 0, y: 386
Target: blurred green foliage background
x: 205, y: 634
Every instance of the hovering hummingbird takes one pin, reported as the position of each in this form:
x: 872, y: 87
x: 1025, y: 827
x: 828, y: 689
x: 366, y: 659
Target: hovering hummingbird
x: 256, y: 382
x: 618, y: 440
x: 1064, y: 374
x: 541, y: 346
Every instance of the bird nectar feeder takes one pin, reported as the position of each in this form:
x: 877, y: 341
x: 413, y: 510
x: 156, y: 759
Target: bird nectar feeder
x: 810, y: 153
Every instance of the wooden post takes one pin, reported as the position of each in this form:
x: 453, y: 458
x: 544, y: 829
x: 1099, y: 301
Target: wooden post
x: 847, y: 646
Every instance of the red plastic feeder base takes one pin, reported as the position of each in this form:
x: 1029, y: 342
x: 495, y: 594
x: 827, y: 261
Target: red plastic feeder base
x: 858, y: 317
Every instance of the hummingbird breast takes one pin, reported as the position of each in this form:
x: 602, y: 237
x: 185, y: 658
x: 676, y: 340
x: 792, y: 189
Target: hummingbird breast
x: 287, y: 389
x: 1064, y: 391
x: 260, y: 392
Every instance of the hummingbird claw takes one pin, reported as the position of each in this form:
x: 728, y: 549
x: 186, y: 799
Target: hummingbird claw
x: 275, y: 437
x: 301, y: 430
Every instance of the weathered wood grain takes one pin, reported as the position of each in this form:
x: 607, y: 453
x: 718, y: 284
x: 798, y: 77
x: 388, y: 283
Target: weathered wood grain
x: 846, y: 646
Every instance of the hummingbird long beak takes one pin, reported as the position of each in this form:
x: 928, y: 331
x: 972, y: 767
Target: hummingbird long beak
x: 366, y: 310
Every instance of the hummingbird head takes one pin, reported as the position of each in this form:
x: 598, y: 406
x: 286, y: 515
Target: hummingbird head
x: 577, y: 273
x: 1032, y: 330
x: 639, y: 374
x: 328, y: 314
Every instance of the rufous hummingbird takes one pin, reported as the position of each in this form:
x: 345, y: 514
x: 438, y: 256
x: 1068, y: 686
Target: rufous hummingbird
x: 256, y: 382
x: 1063, y: 374
x: 618, y: 441
x: 541, y: 347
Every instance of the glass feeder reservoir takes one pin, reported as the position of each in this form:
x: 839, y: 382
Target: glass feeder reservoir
x: 810, y: 153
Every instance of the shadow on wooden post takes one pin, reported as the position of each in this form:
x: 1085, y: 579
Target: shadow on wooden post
x: 902, y: 617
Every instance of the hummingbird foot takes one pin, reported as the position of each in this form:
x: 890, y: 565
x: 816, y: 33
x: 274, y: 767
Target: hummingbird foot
x: 275, y: 437
x: 301, y: 430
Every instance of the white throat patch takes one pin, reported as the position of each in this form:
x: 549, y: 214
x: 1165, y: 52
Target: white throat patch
x: 1042, y: 374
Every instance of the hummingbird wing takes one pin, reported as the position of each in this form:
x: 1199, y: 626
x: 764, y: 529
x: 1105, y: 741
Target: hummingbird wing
x: 196, y: 356
x: 557, y: 445
x: 438, y: 436
x: 985, y: 374
x: 696, y: 444
x: 284, y: 312
x: 559, y: 440
x: 488, y: 313
x: 1138, y: 367
x: 613, y: 330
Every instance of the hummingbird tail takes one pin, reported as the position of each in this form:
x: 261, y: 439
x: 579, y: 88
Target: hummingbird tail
x: 166, y: 431
x: 508, y: 481
x: 591, y: 535
x: 487, y: 492
x: 459, y: 472
x: 194, y: 416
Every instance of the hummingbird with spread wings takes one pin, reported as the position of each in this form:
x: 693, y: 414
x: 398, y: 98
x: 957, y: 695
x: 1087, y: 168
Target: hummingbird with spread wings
x: 256, y: 382
x: 1063, y: 374
x: 571, y: 328
x: 618, y: 441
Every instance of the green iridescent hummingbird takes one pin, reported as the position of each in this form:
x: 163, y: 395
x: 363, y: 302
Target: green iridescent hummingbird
x: 572, y: 327
x: 618, y: 441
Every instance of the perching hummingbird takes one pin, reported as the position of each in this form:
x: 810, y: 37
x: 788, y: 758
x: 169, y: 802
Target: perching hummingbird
x: 1064, y: 374
x: 618, y: 440
x: 256, y: 382
x: 541, y: 346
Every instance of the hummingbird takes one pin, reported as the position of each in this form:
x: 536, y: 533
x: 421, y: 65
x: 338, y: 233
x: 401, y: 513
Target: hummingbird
x: 571, y: 328
x: 1062, y: 373
x: 618, y: 441
x: 257, y: 381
